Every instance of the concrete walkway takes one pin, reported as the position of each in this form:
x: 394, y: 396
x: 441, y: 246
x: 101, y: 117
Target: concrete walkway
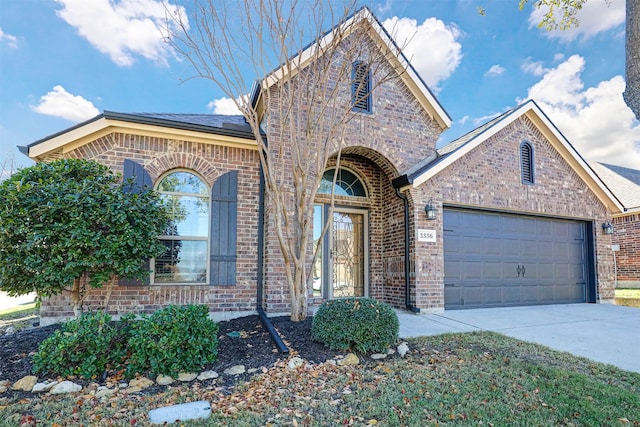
x: 601, y: 332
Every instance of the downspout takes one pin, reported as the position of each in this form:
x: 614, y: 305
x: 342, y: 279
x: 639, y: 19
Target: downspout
x: 407, y: 259
x: 277, y: 339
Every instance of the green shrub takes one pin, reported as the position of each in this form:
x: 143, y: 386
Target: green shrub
x: 87, y: 346
x: 172, y: 340
x: 362, y: 324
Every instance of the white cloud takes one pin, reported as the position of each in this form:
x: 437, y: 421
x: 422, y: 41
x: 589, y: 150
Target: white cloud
x: 11, y: 41
x: 533, y: 67
x: 595, y: 17
x: 595, y: 120
x: 432, y: 47
x: 122, y: 29
x: 60, y: 103
x: 495, y: 70
x: 223, y: 105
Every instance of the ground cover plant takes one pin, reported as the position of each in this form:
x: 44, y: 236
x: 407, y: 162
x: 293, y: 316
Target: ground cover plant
x: 456, y: 379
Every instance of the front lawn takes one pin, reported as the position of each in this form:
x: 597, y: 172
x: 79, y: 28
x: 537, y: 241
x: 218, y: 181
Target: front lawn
x: 457, y: 379
x: 628, y: 293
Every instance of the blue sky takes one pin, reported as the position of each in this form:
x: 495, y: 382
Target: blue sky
x: 65, y: 61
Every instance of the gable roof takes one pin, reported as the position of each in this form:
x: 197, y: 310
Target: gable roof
x: 363, y: 16
x: 623, y: 182
x: 450, y: 153
x: 231, y: 130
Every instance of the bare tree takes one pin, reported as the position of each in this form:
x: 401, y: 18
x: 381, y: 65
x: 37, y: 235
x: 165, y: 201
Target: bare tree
x: 304, y: 101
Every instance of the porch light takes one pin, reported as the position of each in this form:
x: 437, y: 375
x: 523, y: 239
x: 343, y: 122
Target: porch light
x: 607, y: 227
x: 430, y: 210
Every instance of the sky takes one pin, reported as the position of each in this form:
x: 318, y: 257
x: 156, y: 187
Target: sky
x: 66, y: 61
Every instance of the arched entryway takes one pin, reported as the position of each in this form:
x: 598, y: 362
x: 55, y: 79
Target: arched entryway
x: 362, y: 251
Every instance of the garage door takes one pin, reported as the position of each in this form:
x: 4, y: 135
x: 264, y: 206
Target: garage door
x: 495, y: 260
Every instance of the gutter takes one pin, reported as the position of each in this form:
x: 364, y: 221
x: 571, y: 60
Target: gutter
x: 407, y: 261
x: 277, y: 339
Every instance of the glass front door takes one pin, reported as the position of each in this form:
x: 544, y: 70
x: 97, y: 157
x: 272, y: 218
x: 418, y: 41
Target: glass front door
x: 348, y: 253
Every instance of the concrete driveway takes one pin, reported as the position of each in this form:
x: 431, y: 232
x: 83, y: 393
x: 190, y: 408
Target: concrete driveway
x: 601, y: 332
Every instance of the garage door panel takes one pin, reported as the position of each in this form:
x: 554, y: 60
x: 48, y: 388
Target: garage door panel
x: 484, y: 252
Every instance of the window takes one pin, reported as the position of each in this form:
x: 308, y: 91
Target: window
x: 361, y: 87
x: 526, y: 163
x: 347, y: 184
x: 185, y: 257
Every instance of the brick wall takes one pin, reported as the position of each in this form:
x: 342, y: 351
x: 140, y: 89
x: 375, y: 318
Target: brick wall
x: 209, y: 161
x: 626, y: 233
x: 489, y: 177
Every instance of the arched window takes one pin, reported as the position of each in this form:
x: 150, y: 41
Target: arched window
x: 347, y: 184
x: 185, y: 257
x: 526, y: 163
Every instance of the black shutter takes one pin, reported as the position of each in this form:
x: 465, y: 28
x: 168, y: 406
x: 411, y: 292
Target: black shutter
x: 141, y: 178
x: 141, y: 182
x: 224, y: 207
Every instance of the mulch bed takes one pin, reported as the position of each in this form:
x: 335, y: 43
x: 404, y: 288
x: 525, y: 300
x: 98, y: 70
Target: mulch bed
x: 253, y: 349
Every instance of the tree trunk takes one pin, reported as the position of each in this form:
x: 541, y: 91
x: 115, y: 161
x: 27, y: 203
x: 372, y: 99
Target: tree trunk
x: 632, y: 91
x: 79, y: 293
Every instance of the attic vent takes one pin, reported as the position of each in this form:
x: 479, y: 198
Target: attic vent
x: 526, y: 163
x: 361, y: 87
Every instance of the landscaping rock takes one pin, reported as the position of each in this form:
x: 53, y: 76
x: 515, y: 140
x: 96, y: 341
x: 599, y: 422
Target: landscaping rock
x: 208, y: 375
x: 25, y: 383
x: 104, y: 392
x: 295, y: 363
x: 65, y: 387
x: 43, y: 387
x: 131, y: 390
x: 164, y: 380
x: 350, y: 359
x: 378, y: 356
x: 142, y: 383
x: 235, y: 370
x: 403, y: 349
x: 9, y: 330
x: 185, y: 377
x: 4, y: 386
x: 183, y: 412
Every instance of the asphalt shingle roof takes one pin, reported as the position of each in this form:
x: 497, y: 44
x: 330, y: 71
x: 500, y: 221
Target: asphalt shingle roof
x: 623, y: 182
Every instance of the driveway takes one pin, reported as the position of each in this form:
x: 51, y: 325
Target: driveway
x: 601, y: 332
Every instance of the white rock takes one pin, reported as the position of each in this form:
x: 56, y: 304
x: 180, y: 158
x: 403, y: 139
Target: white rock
x: 42, y: 387
x: 65, y: 387
x: 183, y: 412
x: 104, y: 392
x: 164, y: 380
x: 9, y: 330
x: 403, y: 349
x: 186, y: 376
x: 4, y: 386
x: 207, y: 375
x: 25, y: 383
x: 378, y: 356
x: 235, y: 370
x: 350, y: 359
x: 390, y: 351
x: 295, y: 363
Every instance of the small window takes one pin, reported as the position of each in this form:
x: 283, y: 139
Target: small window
x: 526, y: 163
x: 347, y: 184
x: 185, y: 257
x: 361, y: 87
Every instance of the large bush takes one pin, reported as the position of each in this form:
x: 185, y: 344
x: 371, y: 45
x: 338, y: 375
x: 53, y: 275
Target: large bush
x: 87, y: 346
x: 72, y: 223
x: 172, y: 340
x: 362, y: 324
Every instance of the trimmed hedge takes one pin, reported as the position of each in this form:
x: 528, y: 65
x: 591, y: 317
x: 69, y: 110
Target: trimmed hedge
x: 362, y: 324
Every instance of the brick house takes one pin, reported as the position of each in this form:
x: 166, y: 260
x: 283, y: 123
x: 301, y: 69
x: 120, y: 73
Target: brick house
x: 625, y: 184
x: 509, y: 214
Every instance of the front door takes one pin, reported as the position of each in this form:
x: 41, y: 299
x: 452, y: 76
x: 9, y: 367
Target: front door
x: 348, y: 253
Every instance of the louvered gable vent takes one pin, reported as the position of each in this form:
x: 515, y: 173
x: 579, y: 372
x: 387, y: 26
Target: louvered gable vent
x: 526, y: 162
x: 361, y: 87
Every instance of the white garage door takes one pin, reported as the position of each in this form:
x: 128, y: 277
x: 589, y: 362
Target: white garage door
x: 496, y: 259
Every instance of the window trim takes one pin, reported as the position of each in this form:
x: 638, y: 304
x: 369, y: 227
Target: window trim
x: 207, y: 238
x: 357, y: 90
x: 530, y: 178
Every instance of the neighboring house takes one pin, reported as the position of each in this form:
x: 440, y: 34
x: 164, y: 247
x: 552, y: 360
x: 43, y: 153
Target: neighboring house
x: 625, y: 184
x: 514, y: 213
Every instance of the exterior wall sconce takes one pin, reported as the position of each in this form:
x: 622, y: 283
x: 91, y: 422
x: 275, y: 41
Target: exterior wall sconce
x: 430, y: 210
x: 607, y: 227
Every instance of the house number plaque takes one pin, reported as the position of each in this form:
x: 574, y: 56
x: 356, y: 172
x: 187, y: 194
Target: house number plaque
x: 427, y: 236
